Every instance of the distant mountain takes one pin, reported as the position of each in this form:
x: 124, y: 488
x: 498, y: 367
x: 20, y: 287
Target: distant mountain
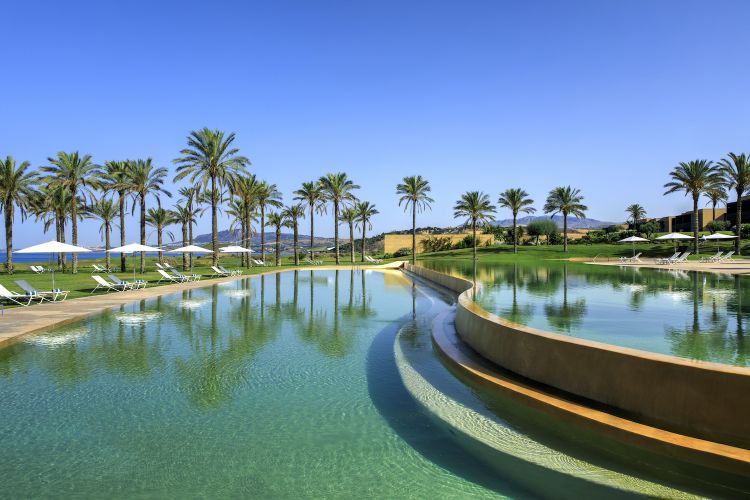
x: 573, y: 223
x: 287, y: 239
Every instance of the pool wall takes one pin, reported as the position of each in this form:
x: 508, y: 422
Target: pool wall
x: 699, y: 399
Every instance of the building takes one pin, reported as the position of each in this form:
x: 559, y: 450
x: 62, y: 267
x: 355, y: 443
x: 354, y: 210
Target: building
x: 684, y: 221
x: 395, y: 242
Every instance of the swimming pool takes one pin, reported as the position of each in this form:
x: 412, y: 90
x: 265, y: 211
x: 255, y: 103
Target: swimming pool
x: 702, y: 316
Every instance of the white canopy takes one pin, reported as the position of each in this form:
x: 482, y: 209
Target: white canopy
x: 135, y: 247
x: 633, y: 239
x: 235, y: 249
x: 53, y: 247
x: 719, y: 236
x: 190, y: 249
x: 675, y: 236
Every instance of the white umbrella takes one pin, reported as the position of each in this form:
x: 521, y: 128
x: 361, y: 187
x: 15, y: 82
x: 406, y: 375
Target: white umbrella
x: 718, y: 237
x: 674, y: 237
x: 133, y: 248
x: 191, y: 249
x: 633, y: 240
x: 53, y: 247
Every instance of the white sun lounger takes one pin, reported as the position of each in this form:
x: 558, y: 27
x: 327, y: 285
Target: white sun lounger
x: 54, y: 294
x: 726, y: 258
x: 232, y: 272
x: 134, y: 285
x: 174, y: 278
x: 18, y: 298
x: 218, y: 272
x: 258, y: 262
x: 373, y: 260
x: 634, y: 258
x: 313, y: 262
x: 106, y: 285
x: 713, y: 258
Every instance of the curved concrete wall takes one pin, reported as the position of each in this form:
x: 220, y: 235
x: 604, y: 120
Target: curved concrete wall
x: 704, y: 400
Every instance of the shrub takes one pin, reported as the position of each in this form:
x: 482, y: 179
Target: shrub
x: 402, y: 252
x: 719, y: 225
x: 543, y: 227
x: 436, y: 244
x: 649, y: 228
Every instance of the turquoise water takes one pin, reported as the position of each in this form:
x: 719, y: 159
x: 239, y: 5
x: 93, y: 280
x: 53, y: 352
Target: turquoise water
x: 702, y: 316
x: 319, y: 384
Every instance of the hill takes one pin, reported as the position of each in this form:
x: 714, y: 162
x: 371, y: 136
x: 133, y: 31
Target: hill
x: 573, y: 223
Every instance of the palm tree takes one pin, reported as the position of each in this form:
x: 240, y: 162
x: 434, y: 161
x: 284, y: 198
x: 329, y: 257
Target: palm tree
x: 314, y: 196
x: 189, y: 201
x: 567, y: 201
x: 246, y: 188
x: 338, y: 190
x: 695, y: 177
x: 159, y: 218
x: 17, y: 185
x: 211, y: 159
x: 292, y: 215
x: 185, y: 216
x: 143, y: 180
x: 716, y: 196
x: 106, y: 211
x: 76, y: 174
x: 517, y: 200
x: 477, y: 209
x: 349, y: 216
x: 276, y: 220
x: 636, y: 213
x: 267, y: 195
x: 50, y: 205
x: 735, y: 173
x: 414, y: 191
x: 114, y: 180
x: 365, y: 211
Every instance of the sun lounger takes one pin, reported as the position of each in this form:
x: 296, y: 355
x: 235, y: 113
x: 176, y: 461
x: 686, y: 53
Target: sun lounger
x: 135, y: 285
x: 232, y: 273
x: 188, y: 277
x: 18, y: 298
x: 39, y: 269
x: 101, y: 269
x: 53, y: 295
x: 171, y: 277
x: 666, y: 260
x: 106, y: 285
x: 373, y: 260
x: 630, y: 260
x: 713, y: 258
x: 313, y: 262
x: 258, y: 262
x: 218, y: 272
x: 726, y: 258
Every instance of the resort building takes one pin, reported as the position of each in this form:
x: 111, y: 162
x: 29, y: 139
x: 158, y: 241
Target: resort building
x: 394, y: 242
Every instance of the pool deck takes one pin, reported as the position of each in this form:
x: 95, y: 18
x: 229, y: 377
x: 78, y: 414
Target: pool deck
x: 18, y: 322
x: 735, y: 266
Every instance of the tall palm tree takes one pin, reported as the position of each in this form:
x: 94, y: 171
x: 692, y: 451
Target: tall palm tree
x: 189, y: 201
x: 106, y: 211
x: 292, y: 215
x: 145, y: 179
x: 516, y: 200
x: 338, y: 189
x: 185, y: 216
x: 567, y: 201
x: 735, y: 173
x: 276, y: 220
x: 476, y: 208
x: 210, y: 159
x: 312, y: 194
x: 349, y: 216
x: 159, y: 218
x: 414, y: 191
x: 267, y: 195
x: 114, y: 180
x: 50, y: 204
x: 17, y: 185
x: 636, y: 213
x: 78, y: 175
x: 695, y: 177
x: 365, y: 212
x: 716, y: 196
x: 246, y: 188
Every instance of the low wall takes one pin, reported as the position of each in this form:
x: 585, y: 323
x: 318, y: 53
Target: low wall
x: 704, y: 400
x: 395, y: 242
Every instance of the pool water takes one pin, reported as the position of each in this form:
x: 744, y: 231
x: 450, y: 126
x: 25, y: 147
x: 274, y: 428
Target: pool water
x: 700, y: 316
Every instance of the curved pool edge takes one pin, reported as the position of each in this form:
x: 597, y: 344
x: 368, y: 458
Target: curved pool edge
x: 692, y: 398
x: 20, y: 322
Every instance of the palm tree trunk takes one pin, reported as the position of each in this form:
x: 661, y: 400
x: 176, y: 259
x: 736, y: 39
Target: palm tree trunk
x: 515, y: 234
x: 107, y: 230
x: 351, y: 241
x: 565, y: 232
x: 296, y: 250
x: 9, y: 236
x: 143, y: 232
x: 158, y: 244
x: 190, y: 242
x: 738, y: 230
x: 312, y: 231
x: 263, y: 232
x: 184, y: 243
x: 214, y: 224
x: 123, y: 259
x: 364, y: 234
x: 695, y: 224
x: 336, y: 229
x: 278, y: 247
x: 414, y: 233
x: 248, y: 237
x: 474, y: 237
x: 74, y: 227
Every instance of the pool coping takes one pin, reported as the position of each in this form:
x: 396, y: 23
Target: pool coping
x: 20, y: 322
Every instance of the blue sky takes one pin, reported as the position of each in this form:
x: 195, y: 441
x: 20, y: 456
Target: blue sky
x: 606, y: 96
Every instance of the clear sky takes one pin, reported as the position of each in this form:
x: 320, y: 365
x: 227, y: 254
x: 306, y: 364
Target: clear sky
x: 605, y: 96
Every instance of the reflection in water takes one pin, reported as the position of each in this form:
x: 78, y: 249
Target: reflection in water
x: 639, y: 308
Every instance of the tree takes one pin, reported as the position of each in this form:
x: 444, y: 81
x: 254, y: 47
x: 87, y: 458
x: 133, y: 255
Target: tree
x: 338, y: 189
x: 143, y: 180
x: 115, y: 180
x: 695, y: 177
x: 189, y: 202
x: 516, y: 200
x: 17, y: 185
x: 475, y: 206
x: 246, y: 188
x: 184, y: 216
x: 542, y: 227
x: 414, y: 192
x: 568, y: 201
x: 50, y: 204
x: 312, y: 194
x: 649, y: 228
x: 210, y: 159
x: 349, y: 216
x: 292, y: 215
x: 636, y: 213
x: 78, y: 175
x: 106, y: 211
x: 716, y: 196
x: 735, y: 175
x: 159, y: 218
x: 267, y: 195
x: 365, y: 211
x: 276, y: 220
